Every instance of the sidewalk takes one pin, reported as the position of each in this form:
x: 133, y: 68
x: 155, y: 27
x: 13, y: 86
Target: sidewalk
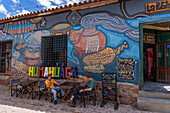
x: 11, y: 109
x: 10, y: 104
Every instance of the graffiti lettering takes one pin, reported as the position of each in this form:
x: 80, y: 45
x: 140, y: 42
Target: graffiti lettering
x: 126, y: 68
x: 56, y: 72
x: 158, y: 6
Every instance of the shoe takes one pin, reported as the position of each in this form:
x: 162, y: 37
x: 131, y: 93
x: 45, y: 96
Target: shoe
x: 72, y: 105
x: 91, y: 102
x: 69, y: 101
x: 62, y: 96
x: 55, y: 102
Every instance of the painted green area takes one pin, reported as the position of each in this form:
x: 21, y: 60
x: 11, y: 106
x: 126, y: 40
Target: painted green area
x: 141, y: 56
x: 163, y: 37
x: 35, y: 71
x: 57, y: 72
x: 161, y: 55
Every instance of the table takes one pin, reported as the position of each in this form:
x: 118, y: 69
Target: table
x: 68, y: 88
x: 26, y: 85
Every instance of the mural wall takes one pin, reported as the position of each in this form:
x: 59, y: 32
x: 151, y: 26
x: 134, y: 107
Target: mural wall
x: 99, y: 41
x: 26, y: 43
x: 97, y: 38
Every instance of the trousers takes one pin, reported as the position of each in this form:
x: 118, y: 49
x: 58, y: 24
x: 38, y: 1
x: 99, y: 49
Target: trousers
x: 55, y: 90
x: 76, y: 92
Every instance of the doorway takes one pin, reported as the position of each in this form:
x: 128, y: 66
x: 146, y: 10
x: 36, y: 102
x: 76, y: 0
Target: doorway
x: 155, y: 55
x: 5, y: 56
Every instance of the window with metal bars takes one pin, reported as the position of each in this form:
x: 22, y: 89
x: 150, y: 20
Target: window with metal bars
x: 54, y: 51
x: 5, y: 56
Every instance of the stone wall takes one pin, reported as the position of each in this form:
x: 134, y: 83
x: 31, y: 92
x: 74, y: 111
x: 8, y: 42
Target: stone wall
x: 128, y: 93
x: 4, y: 80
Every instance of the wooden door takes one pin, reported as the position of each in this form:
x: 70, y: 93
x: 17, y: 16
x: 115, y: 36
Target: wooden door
x: 163, y: 62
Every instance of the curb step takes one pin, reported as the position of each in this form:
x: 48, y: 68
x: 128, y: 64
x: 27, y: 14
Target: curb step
x: 154, y: 95
x: 150, y: 104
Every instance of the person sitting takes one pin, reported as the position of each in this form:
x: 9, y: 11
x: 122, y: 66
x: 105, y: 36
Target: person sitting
x: 50, y: 85
x: 80, y: 90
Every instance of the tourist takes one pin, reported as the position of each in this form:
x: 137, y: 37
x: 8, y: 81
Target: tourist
x: 50, y: 85
x: 80, y: 90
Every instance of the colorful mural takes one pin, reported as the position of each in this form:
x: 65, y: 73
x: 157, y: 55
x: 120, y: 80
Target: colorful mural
x: 88, y: 41
x: 26, y: 43
x: 104, y: 57
x: 2, y: 35
x: 97, y: 41
x: 92, y: 46
x: 113, y: 23
x: 62, y: 28
x: 97, y: 38
x: 74, y: 17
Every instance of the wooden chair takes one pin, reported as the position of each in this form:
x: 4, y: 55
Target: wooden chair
x: 88, y: 96
x: 40, y: 91
x: 49, y: 94
x: 15, y: 88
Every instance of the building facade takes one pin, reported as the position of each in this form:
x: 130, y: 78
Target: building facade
x: 104, y: 36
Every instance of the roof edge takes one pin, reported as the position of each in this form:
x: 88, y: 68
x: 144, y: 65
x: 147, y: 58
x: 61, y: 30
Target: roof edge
x: 73, y: 7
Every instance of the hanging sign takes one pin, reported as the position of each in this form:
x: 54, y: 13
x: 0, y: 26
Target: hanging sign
x: 158, y: 6
x: 149, y: 38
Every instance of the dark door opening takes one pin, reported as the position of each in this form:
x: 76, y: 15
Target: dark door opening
x: 5, y: 56
x: 156, y: 56
x: 149, y: 55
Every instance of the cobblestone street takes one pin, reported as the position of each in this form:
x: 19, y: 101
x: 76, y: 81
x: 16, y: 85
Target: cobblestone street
x: 10, y: 104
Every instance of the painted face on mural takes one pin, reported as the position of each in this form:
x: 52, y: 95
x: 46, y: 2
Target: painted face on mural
x: 30, y: 49
x: 2, y: 35
x: 32, y: 56
x: 75, y: 36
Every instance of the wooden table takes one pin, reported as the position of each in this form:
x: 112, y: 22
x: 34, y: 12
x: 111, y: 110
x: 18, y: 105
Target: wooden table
x: 27, y: 84
x: 68, y: 88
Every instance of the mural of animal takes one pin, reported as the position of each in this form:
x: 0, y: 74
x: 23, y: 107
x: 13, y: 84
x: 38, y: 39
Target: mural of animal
x: 88, y: 41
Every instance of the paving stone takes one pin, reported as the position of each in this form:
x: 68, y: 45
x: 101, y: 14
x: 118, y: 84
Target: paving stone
x: 41, y: 106
x: 62, y: 109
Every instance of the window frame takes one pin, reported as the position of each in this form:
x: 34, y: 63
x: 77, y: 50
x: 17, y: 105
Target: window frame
x: 164, y: 45
x: 66, y: 36
x: 6, y: 41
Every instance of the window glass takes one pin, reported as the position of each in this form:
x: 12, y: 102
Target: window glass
x: 168, y: 55
x: 54, y: 51
x: 160, y: 55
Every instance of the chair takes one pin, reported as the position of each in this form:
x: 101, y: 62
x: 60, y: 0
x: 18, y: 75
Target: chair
x: 15, y: 87
x: 89, y: 97
x: 50, y: 94
x: 40, y: 91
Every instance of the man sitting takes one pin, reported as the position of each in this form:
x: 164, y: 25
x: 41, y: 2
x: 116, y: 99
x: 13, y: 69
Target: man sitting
x: 79, y: 90
x: 50, y: 85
